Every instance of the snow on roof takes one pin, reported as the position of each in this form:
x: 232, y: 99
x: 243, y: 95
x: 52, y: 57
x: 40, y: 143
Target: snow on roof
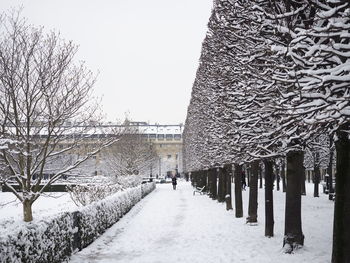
x: 161, y: 129
x: 109, y: 129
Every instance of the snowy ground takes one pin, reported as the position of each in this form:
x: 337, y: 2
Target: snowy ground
x: 48, y: 204
x: 175, y: 226
x: 11, y: 214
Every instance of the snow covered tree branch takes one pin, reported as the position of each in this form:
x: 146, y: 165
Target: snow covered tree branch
x: 46, y: 108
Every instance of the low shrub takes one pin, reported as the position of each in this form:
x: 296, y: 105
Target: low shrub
x: 55, y: 239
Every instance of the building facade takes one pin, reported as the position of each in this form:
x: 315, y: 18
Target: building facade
x: 167, y: 140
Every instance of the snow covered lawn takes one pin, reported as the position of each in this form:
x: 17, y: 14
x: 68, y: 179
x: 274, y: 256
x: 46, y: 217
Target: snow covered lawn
x: 11, y: 215
x: 46, y: 205
x: 175, y: 226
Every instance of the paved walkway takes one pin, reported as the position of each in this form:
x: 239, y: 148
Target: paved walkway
x: 175, y: 226
x: 166, y: 226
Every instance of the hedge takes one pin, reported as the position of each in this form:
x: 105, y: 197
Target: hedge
x: 54, y: 240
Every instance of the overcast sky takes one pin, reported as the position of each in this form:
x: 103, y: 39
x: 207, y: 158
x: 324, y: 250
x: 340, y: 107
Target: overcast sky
x: 146, y: 51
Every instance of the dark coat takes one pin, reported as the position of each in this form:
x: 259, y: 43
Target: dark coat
x: 174, y: 180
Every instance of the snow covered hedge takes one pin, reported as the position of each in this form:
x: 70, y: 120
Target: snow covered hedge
x: 55, y: 239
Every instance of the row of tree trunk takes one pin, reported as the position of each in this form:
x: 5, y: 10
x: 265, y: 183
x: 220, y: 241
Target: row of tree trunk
x: 292, y: 184
x: 217, y: 182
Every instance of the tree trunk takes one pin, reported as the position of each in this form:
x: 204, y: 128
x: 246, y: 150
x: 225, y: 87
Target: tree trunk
x: 269, y: 222
x: 221, y: 186
x: 278, y: 177
x: 341, y: 227
x: 228, y: 173
x: 330, y: 169
x: 253, y: 193
x: 303, y: 188
x: 238, y: 191
x: 316, y: 180
x: 248, y: 176
x: 214, y: 185
x: 203, y: 179
x: 27, y: 211
x: 260, y: 176
x: 283, y: 175
x: 308, y: 176
x: 210, y: 182
x: 192, y: 179
x: 293, y: 235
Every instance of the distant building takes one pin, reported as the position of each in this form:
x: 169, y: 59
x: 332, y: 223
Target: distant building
x: 166, y: 139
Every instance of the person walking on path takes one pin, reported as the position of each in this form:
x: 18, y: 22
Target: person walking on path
x: 174, y: 182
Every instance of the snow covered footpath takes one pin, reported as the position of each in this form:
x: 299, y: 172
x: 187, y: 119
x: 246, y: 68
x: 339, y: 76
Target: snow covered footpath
x: 175, y: 226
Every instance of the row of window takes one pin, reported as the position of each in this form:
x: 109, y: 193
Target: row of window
x: 161, y: 137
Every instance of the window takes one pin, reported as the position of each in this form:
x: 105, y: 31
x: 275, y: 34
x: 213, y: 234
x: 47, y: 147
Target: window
x: 169, y: 156
x: 169, y: 137
x: 152, y: 136
x: 160, y: 137
x: 177, y: 137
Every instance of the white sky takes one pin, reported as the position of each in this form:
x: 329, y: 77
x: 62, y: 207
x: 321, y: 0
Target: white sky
x: 146, y: 51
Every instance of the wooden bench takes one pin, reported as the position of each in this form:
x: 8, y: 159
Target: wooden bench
x: 199, y: 190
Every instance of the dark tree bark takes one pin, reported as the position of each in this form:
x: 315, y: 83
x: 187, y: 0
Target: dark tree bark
x: 198, y: 180
x: 316, y: 180
x: 341, y: 228
x: 293, y: 235
x: 283, y: 175
x: 253, y: 193
x: 221, y: 186
x: 308, y: 177
x: 193, y: 179
x: 210, y: 182
x: 248, y: 176
x: 269, y: 222
x: 238, y: 191
x: 215, y: 184
x: 303, y: 188
x: 330, y: 168
x: 260, y: 177
x: 206, y: 180
x: 27, y: 211
x: 204, y: 176
x: 228, y: 197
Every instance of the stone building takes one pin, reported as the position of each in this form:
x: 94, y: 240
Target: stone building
x: 166, y: 140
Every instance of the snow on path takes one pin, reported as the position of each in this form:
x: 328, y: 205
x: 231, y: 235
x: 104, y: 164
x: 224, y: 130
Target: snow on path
x: 175, y: 226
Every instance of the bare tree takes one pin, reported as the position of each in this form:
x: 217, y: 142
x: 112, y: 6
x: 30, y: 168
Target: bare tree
x: 132, y: 154
x: 46, y: 108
